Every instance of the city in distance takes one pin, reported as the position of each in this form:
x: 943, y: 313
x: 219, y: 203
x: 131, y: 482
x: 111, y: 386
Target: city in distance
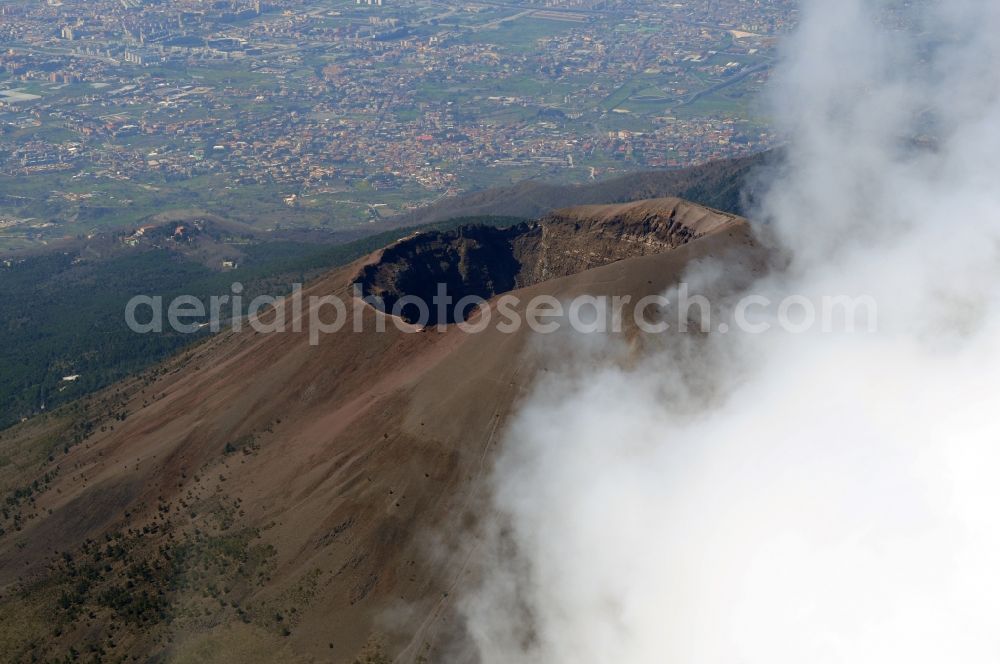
x: 336, y: 114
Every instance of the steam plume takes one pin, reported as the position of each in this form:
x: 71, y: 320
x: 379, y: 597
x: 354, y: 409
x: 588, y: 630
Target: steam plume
x: 836, y: 499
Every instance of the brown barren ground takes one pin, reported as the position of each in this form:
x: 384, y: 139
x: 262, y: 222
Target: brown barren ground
x: 278, y: 501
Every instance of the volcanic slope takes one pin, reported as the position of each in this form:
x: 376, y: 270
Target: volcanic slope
x: 727, y: 185
x: 263, y: 499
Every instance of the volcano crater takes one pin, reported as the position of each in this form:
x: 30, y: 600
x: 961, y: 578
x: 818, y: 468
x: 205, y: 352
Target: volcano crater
x: 482, y: 262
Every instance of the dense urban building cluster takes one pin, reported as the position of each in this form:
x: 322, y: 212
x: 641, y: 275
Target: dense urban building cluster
x: 317, y: 97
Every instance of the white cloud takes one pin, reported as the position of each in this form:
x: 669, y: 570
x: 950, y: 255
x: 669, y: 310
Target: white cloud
x: 795, y: 498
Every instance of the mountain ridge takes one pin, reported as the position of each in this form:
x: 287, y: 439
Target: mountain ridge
x: 722, y: 185
x: 262, y: 494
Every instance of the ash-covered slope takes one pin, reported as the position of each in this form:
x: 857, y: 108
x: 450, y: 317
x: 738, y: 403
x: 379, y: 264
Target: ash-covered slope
x: 260, y: 499
x: 722, y: 184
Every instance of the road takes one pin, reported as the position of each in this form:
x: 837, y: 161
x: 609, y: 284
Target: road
x: 726, y: 83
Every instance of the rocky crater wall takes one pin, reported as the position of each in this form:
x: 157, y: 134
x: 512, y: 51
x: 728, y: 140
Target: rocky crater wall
x: 483, y: 261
